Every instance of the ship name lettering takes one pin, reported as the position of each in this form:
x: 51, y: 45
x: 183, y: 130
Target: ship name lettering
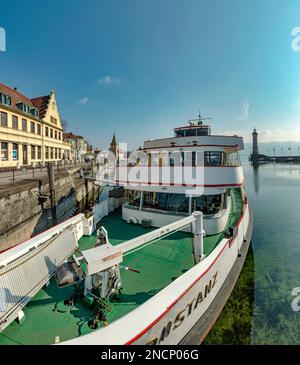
x: 181, y: 315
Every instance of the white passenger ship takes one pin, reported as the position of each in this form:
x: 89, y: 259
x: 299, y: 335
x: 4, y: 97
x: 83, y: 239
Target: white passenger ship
x: 158, y: 270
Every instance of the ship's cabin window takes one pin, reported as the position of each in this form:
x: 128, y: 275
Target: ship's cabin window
x: 233, y: 159
x: 133, y: 197
x: 214, y: 158
x: 209, y: 204
x: 175, y: 203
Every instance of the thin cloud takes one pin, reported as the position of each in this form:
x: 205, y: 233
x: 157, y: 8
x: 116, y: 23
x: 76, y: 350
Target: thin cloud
x: 246, y: 107
x: 83, y: 101
x: 109, y: 80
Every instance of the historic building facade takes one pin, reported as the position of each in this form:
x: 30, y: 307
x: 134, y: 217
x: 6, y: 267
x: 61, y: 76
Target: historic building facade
x: 79, y: 146
x: 31, y: 131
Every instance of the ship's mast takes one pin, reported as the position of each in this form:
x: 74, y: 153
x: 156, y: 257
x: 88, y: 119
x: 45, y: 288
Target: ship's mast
x: 199, y: 120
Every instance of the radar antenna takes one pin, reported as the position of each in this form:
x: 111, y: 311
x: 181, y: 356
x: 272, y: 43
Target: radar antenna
x: 199, y: 120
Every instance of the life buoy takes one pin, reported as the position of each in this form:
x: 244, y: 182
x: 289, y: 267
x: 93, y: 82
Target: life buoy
x: 132, y: 220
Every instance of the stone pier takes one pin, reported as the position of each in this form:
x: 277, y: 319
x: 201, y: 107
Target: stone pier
x: 25, y: 209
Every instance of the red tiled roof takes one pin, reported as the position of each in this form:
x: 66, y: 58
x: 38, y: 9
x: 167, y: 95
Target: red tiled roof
x: 71, y: 136
x: 40, y: 103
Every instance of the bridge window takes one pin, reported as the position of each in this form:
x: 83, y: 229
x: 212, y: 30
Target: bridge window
x: 179, y: 133
x: 204, y: 131
x: 190, y: 132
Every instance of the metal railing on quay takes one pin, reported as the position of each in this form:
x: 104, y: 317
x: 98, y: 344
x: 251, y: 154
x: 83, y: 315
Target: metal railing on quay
x: 33, y: 171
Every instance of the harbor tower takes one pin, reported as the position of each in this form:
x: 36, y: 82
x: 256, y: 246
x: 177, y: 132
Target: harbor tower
x: 254, y: 145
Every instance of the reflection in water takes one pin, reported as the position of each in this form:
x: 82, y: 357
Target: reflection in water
x: 255, y: 166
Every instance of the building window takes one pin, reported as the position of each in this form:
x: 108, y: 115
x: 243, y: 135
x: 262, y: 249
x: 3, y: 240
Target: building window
x: 51, y: 132
x: 24, y: 107
x: 33, y: 152
x: 39, y: 129
x: 15, y: 152
x: 59, y: 135
x: 5, y: 99
x: 51, y: 153
x: 32, y: 127
x: 15, y: 122
x: 59, y: 153
x: 56, y: 153
x: 55, y: 134
x: 34, y: 112
x: 47, y: 153
x: 24, y: 125
x: 53, y: 120
x: 4, y: 151
x: 39, y: 153
x: 46, y: 131
x: 3, y: 119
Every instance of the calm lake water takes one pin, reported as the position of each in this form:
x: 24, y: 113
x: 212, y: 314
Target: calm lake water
x: 274, y: 195
x: 259, y: 310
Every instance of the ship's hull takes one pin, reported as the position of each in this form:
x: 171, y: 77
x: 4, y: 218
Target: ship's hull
x: 201, y: 329
x: 185, y: 311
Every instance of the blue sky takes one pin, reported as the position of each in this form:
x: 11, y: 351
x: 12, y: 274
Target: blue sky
x: 142, y: 67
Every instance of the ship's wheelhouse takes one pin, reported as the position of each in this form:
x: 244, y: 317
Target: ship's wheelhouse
x: 192, y: 131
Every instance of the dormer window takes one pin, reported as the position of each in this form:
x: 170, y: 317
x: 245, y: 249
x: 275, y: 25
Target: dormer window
x: 5, y: 99
x: 34, y: 112
x: 24, y: 107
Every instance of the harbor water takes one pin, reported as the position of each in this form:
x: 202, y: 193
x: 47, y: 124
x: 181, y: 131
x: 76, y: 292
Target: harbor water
x: 260, y: 309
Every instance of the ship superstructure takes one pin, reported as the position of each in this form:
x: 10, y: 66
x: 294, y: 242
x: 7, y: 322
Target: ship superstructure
x: 194, y: 170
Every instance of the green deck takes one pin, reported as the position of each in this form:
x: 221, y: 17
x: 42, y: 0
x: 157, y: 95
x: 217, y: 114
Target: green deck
x: 159, y: 264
